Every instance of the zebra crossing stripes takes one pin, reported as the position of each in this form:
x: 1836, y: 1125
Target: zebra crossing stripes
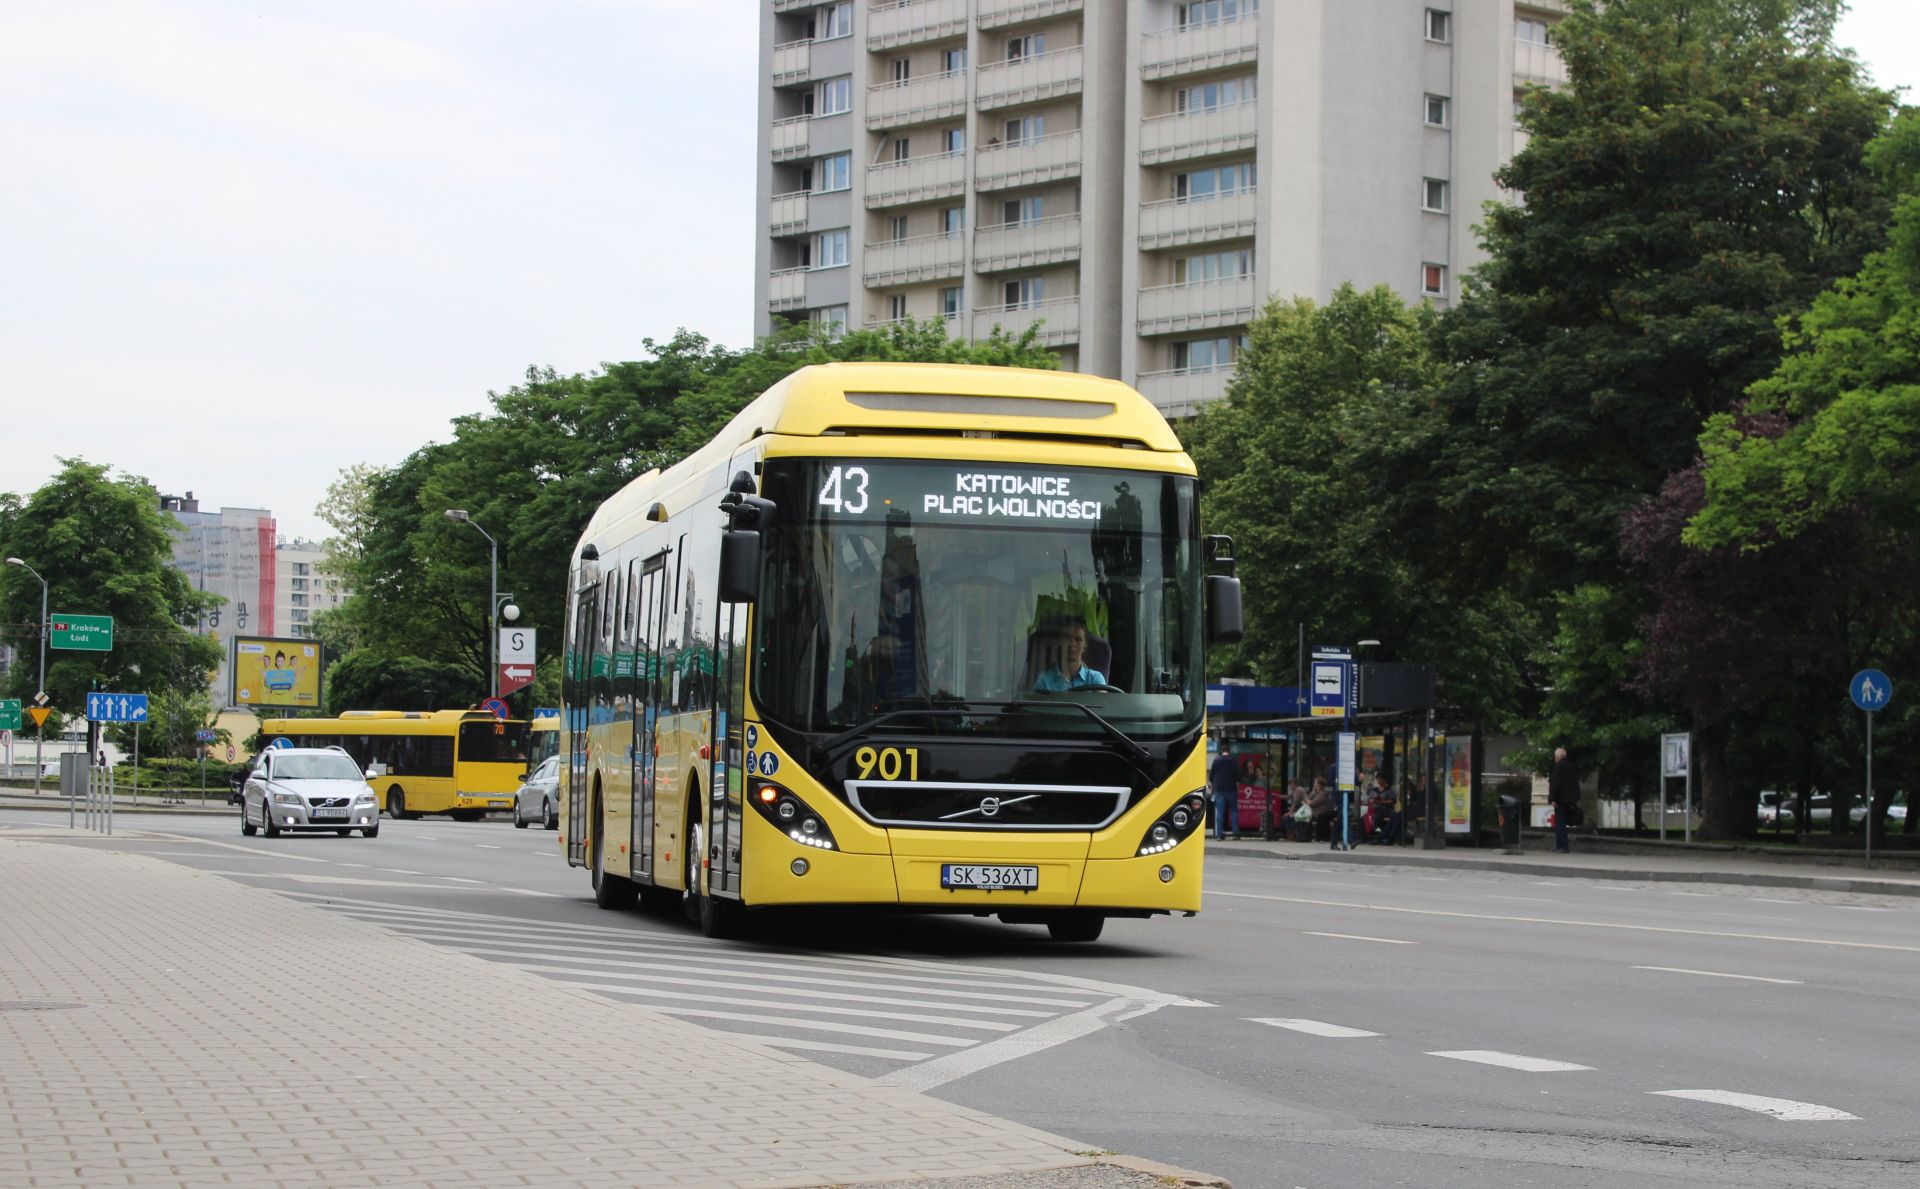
x: 870, y: 1012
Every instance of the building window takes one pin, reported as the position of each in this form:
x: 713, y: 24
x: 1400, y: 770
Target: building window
x: 902, y: 71
x: 897, y: 228
x: 1212, y: 12
x: 1018, y: 212
x: 896, y: 307
x: 951, y: 302
x: 953, y: 221
x: 1031, y: 45
x: 832, y: 319
x: 1433, y: 280
x: 1439, y: 25
x: 834, y: 173
x: 299, y: 615
x: 1437, y: 111
x: 299, y: 584
x: 1531, y: 30
x: 1025, y: 292
x: 902, y: 148
x: 1200, y: 185
x: 830, y: 249
x: 299, y: 600
x: 1206, y: 355
x: 1212, y: 96
x: 1433, y: 195
x: 837, y: 22
x: 955, y: 140
x: 833, y: 97
x: 1213, y: 266
x: 1026, y: 128
x: 300, y: 568
x: 954, y: 61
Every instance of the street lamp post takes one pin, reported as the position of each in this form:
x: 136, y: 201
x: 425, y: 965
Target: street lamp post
x: 494, y: 599
x: 40, y: 731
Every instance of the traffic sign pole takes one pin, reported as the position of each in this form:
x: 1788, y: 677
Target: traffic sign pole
x: 1871, y: 691
x: 1868, y: 821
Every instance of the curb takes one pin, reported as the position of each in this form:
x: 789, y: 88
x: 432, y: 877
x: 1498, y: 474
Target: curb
x: 1818, y: 883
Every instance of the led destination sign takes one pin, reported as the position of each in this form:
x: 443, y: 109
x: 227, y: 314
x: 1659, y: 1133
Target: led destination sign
x: 968, y: 493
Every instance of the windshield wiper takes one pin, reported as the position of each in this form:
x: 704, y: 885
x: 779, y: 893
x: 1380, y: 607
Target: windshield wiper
x: 1131, y: 747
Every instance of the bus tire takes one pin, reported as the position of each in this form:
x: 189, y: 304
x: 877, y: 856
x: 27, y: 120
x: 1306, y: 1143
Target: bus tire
x: 1076, y: 926
x: 397, y: 804
x: 716, y: 917
x: 609, y: 890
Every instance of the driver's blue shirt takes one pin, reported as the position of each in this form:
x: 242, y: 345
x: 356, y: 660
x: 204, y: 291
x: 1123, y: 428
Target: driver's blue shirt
x: 1053, y: 681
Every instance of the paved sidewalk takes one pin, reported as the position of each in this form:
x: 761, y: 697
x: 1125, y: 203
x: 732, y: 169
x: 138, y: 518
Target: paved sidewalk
x: 1607, y: 859
x: 160, y: 1026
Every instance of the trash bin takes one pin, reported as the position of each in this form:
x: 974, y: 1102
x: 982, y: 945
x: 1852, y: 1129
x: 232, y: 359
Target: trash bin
x: 1511, y: 809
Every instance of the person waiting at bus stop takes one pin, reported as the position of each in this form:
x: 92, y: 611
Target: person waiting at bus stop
x: 1223, y: 778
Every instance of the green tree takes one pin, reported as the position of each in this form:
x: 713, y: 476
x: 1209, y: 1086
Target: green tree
x: 105, y: 548
x: 369, y: 679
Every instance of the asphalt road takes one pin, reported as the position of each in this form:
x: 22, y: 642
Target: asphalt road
x: 1315, y: 1026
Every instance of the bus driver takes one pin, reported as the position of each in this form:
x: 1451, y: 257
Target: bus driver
x: 1069, y: 644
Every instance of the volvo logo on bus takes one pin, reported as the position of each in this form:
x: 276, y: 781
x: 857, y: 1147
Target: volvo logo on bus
x: 989, y: 806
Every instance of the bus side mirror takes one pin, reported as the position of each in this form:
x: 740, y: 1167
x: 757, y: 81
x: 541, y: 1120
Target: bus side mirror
x: 1223, y: 609
x: 739, y: 566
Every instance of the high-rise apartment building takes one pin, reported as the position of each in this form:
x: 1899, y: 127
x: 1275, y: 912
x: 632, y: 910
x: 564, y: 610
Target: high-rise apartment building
x: 230, y: 553
x: 1137, y: 176
x: 304, y: 586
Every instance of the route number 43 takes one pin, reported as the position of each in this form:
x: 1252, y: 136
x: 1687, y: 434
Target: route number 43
x: 845, y: 490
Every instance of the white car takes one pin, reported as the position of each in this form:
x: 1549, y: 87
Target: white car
x: 539, y: 798
x: 307, y: 788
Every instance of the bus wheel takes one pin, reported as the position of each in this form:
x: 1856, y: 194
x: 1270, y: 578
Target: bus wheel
x: 396, y: 803
x: 609, y: 890
x: 1076, y: 926
x: 717, y: 918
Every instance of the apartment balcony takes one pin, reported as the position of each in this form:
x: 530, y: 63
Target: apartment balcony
x: 787, y: 289
x: 792, y: 62
x: 1027, y: 162
x: 1204, y: 305
x: 1536, y: 63
x: 1029, y: 80
x: 909, y: 261
x: 1186, y: 135
x: 917, y: 101
x: 794, y: 5
x: 1060, y: 320
x: 1027, y: 245
x: 1179, y: 221
x: 790, y: 138
x: 995, y: 13
x: 912, y: 22
x: 917, y: 179
x: 787, y: 213
x: 1173, y: 52
x: 1181, y: 392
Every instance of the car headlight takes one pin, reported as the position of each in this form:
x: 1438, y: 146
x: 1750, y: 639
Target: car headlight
x: 286, y: 799
x: 363, y: 799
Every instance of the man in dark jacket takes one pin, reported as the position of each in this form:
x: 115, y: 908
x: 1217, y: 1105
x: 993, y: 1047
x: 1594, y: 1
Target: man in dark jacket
x: 1563, y: 790
x: 1223, y: 781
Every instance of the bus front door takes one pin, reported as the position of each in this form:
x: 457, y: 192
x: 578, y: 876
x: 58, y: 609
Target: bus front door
x: 578, y: 658
x: 646, y: 709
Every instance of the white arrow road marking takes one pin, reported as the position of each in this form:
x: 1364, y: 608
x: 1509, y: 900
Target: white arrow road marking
x: 1779, y: 1108
x: 1314, y: 1027
x: 1357, y: 937
x: 1511, y: 1061
x: 1752, y: 978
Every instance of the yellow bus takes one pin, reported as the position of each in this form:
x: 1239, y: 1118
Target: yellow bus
x: 457, y: 762
x: 543, y: 736
x: 910, y: 635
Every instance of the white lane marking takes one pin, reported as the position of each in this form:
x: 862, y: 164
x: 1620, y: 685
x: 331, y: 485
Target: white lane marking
x: 401, y: 871
x: 1357, y: 937
x: 245, y: 850
x: 1527, y: 899
x: 459, y: 879
x: 1314, y: 1027
x: 1699, y: 895
x: 925, y: 1038
x: 821, y: 1046
x: 341, y: 881
x: 1859, y: 908
x: 570, y: 977
x: 1771, y: 900
x: 1487, y: 916
x: 1752, y: 978
x: 1510, y: 1060
x: 486, y: 846
x: 1779, y: 1108
x: 1548, y: 883
x: 942, y: 1070
x: 363, y: 866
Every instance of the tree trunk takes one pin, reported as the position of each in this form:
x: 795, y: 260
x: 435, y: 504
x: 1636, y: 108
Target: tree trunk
x: 1718, y: 808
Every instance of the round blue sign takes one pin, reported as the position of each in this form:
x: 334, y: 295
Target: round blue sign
x: 769, y: 763
x: 281, y: 742
x: 1871, y: 690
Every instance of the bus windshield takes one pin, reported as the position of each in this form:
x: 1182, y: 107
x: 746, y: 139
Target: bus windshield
x: 493, y: 742
x: 922, y: 587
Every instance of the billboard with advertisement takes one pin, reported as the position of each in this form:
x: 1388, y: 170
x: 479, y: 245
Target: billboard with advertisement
x: 281, y: 673
x: 1458, y: 783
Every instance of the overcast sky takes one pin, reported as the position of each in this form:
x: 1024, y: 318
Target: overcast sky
x: 249, y: 244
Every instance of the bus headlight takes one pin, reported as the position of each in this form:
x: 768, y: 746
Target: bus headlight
x: 1173, y: 826
x: 792, y: 816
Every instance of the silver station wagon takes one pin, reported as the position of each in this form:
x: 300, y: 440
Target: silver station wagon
x: 307, y: 788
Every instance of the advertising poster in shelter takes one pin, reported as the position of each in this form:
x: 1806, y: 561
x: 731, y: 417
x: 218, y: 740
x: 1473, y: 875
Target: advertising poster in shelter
x: 1459, y: 784
x: 1373, y: 757
x: 276, y: 672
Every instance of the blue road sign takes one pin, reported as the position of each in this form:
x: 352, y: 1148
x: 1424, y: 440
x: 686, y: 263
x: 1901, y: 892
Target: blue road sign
x: 495, y: 707
x: 1871, y: 690
x: 204, y: 736
x: 281, y: 743
x: 1330, y: 680
x: 105, y: 707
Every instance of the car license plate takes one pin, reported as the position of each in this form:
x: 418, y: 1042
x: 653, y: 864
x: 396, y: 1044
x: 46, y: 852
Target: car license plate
x: 501, y: 804
x: 988, y: 877
x: 329, y: 814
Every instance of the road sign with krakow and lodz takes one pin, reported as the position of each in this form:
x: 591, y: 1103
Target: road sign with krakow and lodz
x: 9, y: 714
x: 106, y: 707
x: 82, y: 633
